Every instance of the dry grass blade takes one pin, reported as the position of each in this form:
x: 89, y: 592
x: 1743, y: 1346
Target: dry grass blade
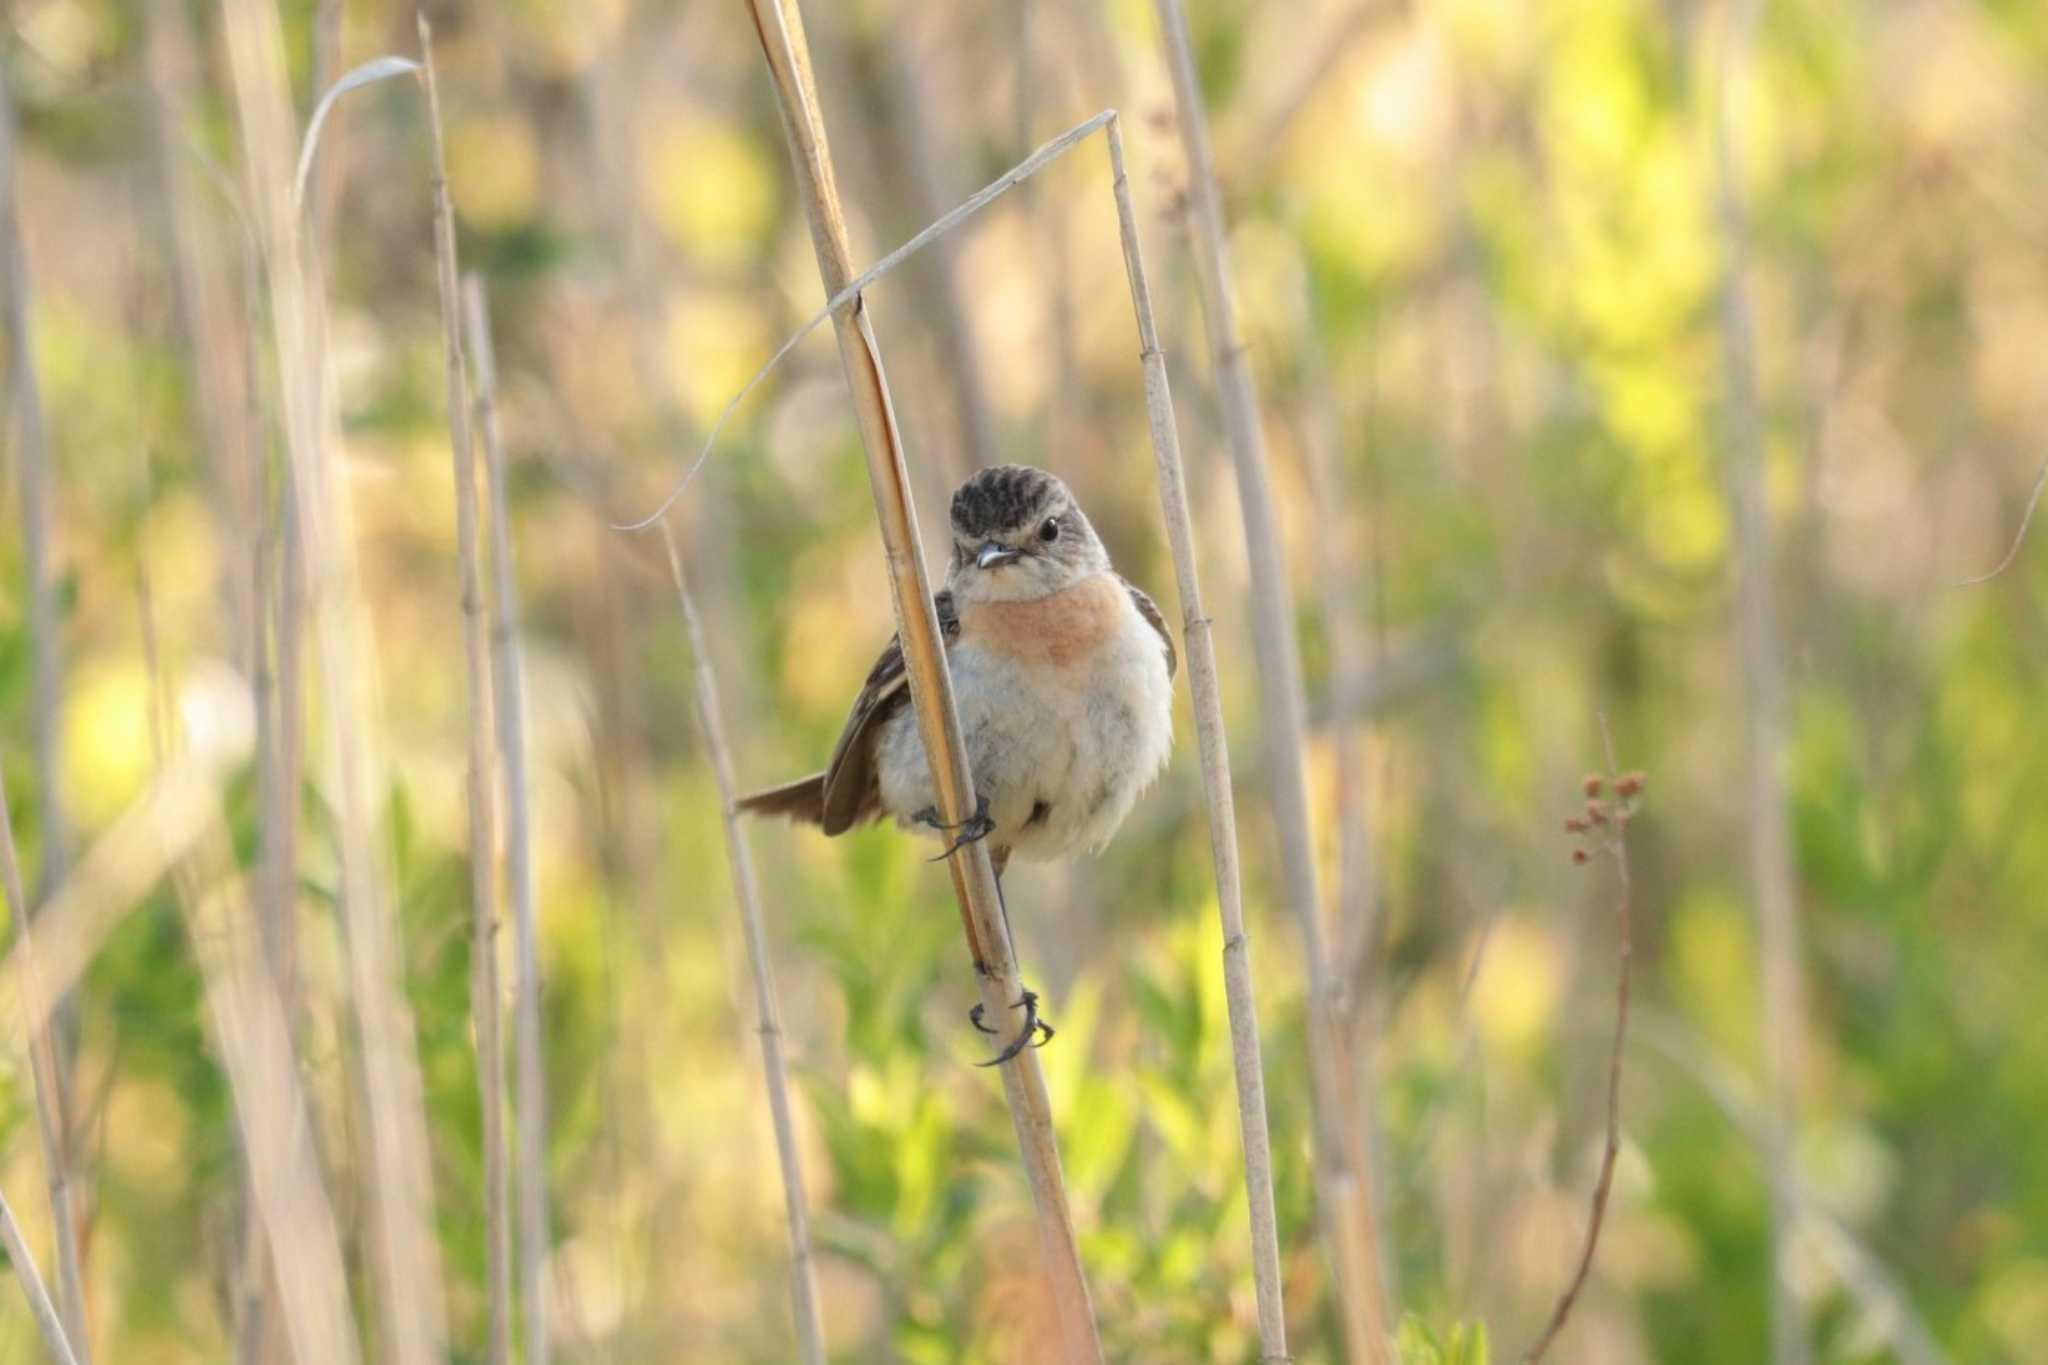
x: 24, y: 1263
x: 810, y: 1333
x: 37, y: 514
x: 1773, y: 876
x: 1201, y: 653
x: 49, y: 1119
x: 398, y: 1183
x: 2019, y: 537
x: 851, y: 290
x: 1343, y: 1184
x: 482, y: 794
x: 780, y: 30
x: 508, y: 683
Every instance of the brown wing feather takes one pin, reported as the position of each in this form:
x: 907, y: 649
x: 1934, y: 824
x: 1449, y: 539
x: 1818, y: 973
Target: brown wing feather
x: 1149, y: 609
x: 853, y: 790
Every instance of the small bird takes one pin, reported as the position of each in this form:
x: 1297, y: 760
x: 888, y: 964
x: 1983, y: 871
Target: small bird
x: 1063, y: 679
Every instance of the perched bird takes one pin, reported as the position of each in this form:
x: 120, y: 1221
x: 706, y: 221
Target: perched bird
x: 1062, y: 675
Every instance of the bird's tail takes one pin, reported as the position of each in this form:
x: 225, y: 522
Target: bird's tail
x: 802, y: 800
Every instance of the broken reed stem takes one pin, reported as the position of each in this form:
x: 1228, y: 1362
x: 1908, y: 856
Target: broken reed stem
x: 483, y: 813
x: 810, y: 1334
x: 1343, y: 1184
x: 46, y: 1040
x: 1772, y: 873
x: 779, y: 26
x: 508, y: 682
x: 1196, y: 636
x: 398, y: 1183
x: 1613, y: 828
x: 24, y: 1263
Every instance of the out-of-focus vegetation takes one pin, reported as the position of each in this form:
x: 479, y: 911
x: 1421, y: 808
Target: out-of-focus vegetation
x: 1479, y: 264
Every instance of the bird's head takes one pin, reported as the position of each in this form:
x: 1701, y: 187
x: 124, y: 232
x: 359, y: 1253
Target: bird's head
x: 1018, y: 534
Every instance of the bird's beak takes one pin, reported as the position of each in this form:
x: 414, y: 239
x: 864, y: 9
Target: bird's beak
x: 993, y: 554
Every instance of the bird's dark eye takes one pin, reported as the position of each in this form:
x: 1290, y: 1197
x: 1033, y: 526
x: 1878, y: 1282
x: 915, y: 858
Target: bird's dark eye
x: 1050, y: 531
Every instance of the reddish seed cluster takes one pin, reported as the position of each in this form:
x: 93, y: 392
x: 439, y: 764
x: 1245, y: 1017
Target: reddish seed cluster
x: 1600, y: 812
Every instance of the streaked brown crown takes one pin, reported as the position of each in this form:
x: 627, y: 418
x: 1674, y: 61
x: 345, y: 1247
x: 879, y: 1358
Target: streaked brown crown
x: 1005, y: 499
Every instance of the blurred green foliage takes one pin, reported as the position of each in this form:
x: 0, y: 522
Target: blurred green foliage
x: 1479, y: 268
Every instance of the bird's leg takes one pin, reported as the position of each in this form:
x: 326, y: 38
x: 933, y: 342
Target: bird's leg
x: 974, y: 828
x: 1036, y: 1032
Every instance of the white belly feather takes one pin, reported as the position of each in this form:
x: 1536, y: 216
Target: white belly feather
x: 1062, y: 751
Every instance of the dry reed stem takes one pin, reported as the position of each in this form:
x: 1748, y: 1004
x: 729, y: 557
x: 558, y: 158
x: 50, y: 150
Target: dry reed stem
x: 47, y: 1048
x: 253, y: 1034
x: 398, y: 1185
x: 43, y: 1066
x: 485, y: 1007
x: 23, y: 1261
x: 1196, y: 635
x: 810, y: 1333
x: 38, y: 512
x: 1614, y: 842
x: 508, y: 681
x: 1344, y: 1168
x: 779, y: 27
x: 1773, y: 876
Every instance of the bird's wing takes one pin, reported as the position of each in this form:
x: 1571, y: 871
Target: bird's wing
x: 1149, y: 609
x: 853, y: 789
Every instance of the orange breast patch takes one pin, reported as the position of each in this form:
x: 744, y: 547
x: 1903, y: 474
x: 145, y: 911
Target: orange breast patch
x: 1058, y: 630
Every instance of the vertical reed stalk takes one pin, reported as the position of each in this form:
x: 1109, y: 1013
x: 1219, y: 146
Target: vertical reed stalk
x: 403, y: 1254
x: 508, y: 680
x: 1343, y: 1182
x: 810, y: 1333
x: 779, y: 26
x: 481, y: 791
x: 1197, y: 637
x: 1773, y: 877
x: 32, y: 459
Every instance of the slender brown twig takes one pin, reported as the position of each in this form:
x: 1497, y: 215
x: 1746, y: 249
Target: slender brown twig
x: 810, y: 1333
x: 779, y: 27
x: 508, y: 681
x: 481, y: 789
x: 1197, y: 635
x: 1605, y: 822
x: 1344, y: 1184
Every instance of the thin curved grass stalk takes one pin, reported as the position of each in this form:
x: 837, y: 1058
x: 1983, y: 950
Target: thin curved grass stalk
x: 779, y: 27
x: 508, y: 680
x: 1343, y: 1183
x: 47, y: 1036
x: 1196, y: 635
x: 398, y: 1185
x: 24, y: 1263
x: 810, y: 1334
x: 481, y: 788
x: 1772, y: 875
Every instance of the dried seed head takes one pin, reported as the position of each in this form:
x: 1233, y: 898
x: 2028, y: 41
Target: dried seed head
x: 1592, y: 785
x: 1596, y: 813
x: 1629, y: 785
x: 1578, y: 855
x: 1575, y: 825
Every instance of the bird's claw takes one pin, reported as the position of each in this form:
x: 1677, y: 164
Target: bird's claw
x: 1035, y: 1033
x: 973, y: 829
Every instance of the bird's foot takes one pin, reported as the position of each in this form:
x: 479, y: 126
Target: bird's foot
x: 1035, y: 1033
x: 974, y: 828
